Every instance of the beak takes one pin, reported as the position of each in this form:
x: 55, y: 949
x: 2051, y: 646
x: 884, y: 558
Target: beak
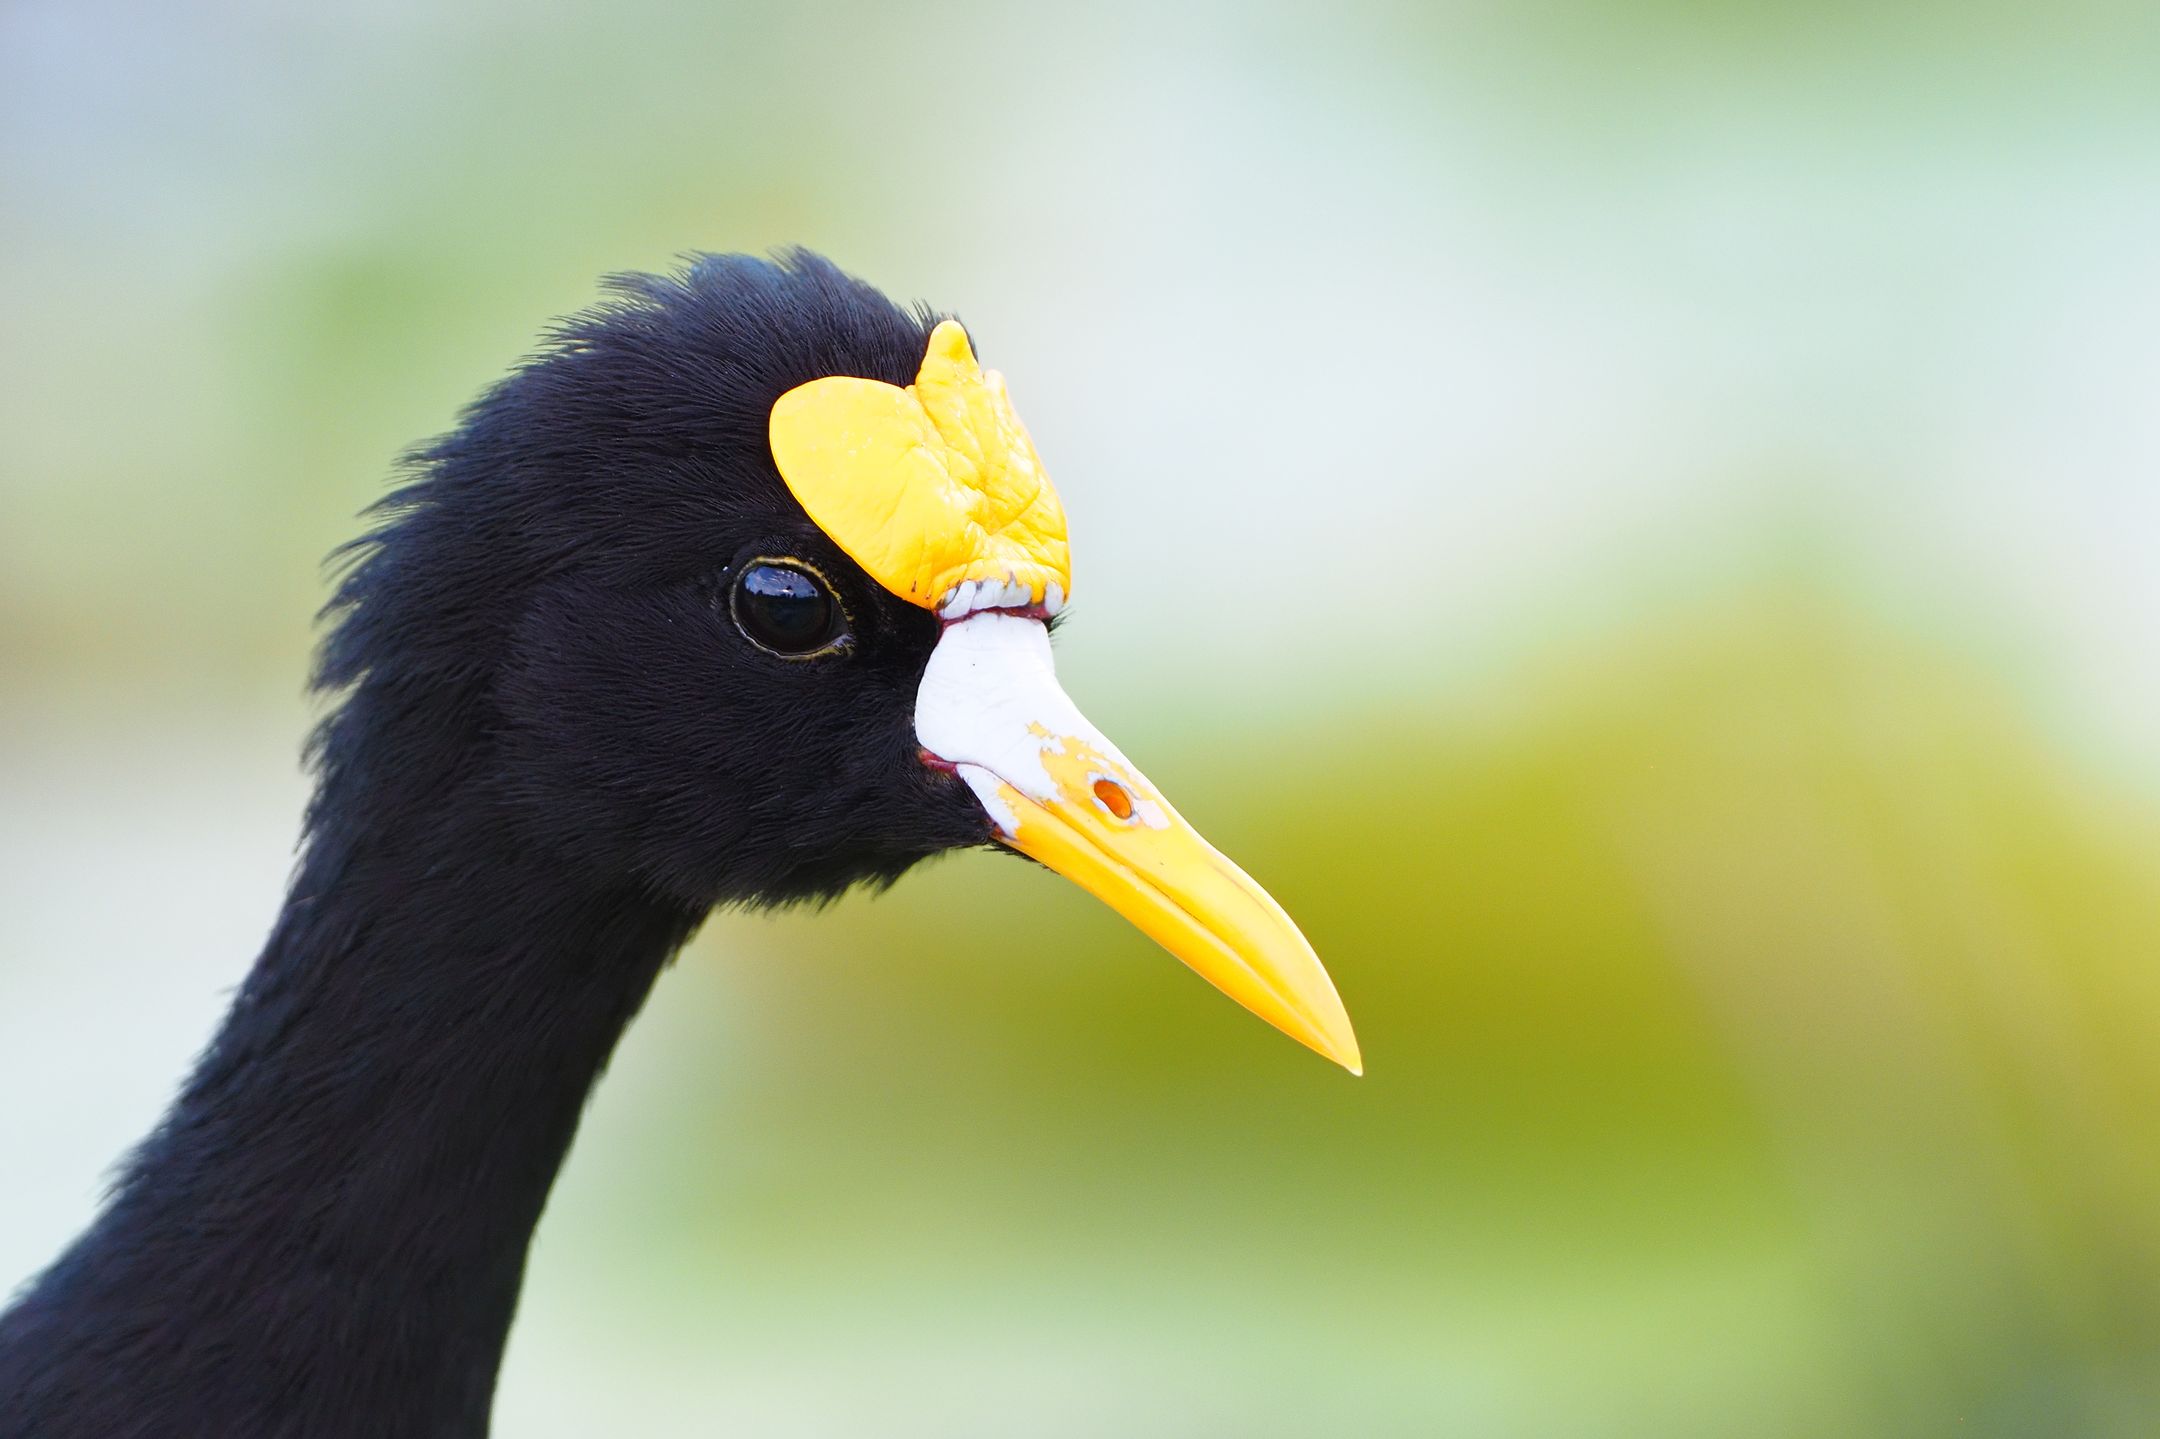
x: 1059, y: 792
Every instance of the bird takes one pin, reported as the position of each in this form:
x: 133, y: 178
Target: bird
x: 737, y: 592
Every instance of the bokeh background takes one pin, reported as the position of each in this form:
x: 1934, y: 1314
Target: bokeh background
x: 1639, y: 521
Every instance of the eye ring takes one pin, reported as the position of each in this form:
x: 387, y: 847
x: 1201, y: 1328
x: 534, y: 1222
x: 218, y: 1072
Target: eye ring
x: 789, y: 608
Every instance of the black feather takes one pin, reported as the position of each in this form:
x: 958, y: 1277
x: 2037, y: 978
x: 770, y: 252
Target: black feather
x: 549, y: 755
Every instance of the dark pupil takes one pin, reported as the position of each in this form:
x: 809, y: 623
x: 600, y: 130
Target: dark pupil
x: 783, y: 609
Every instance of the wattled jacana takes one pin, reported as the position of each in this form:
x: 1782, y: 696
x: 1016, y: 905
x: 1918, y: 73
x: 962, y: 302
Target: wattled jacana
x: 737, y: 593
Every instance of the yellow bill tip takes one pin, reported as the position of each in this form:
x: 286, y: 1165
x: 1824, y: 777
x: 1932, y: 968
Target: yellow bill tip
x: 1306, y: 1006
x: 1153, y: 868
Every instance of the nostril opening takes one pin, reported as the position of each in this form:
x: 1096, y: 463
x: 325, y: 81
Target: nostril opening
x: 1114, y: 798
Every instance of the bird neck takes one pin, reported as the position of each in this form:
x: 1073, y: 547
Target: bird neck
x: 327, y: 1233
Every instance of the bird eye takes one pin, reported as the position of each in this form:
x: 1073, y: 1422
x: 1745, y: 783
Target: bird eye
x: 786, y: 608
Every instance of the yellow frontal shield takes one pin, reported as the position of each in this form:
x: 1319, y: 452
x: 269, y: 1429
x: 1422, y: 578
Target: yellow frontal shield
x: 930, y: 488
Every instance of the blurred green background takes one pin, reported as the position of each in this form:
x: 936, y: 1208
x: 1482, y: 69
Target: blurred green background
x: 1638, y: 522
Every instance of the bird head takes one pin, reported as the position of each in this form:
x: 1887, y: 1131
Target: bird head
x: 740, y: 591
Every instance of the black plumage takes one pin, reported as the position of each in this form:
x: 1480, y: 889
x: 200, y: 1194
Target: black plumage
x: 551, y: 753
